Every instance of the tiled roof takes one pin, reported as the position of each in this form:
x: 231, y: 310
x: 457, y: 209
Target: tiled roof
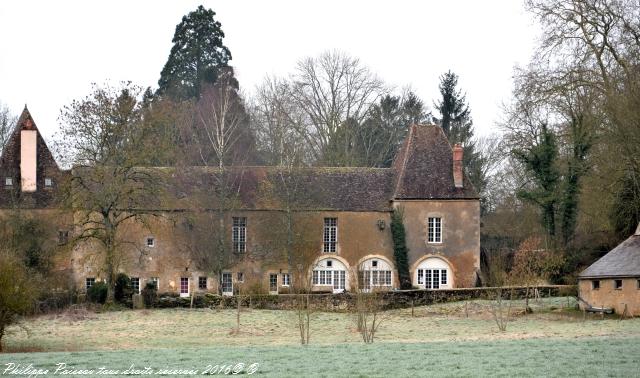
x: 424, y: 167
x: 273, y: 188
x: 622, y: 261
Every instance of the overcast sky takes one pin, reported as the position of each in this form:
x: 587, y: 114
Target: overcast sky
x: 51, y: 51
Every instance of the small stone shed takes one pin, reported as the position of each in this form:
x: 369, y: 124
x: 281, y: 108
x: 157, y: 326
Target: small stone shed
x: 614, y: 280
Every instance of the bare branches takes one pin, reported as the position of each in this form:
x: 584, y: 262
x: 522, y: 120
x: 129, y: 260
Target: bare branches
x: 331, y: 90
x: 7, y: 122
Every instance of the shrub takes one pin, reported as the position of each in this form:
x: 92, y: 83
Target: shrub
x: 123, y: 289
x: 17, y: 291
x: 400, y: 250
x: 150, y: 294
x: 97, y: 293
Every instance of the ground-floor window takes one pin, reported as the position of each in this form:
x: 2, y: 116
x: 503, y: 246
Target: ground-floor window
x: 227, y: 283
x: 432, y: 278
x: 240, y: 277
x: 374, y: 273
x: 330, y: 273
x: 273, y: 283
x: 135, y: 284
x: 286, y: 279
x: 433, y: 273
x: 202, y: 283
x: 184, y: 285
x: 89, y: 282
x: 155, y: 281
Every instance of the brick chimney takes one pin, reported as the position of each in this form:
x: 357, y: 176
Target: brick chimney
x: 457, y: 165
x: 28, y: 156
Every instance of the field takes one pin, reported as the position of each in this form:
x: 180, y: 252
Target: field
x: 455, y: 339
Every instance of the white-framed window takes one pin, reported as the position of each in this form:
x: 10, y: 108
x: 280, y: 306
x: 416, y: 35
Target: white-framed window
x: 48, y: 182
x: 617, y: 284
x: 135, y: 284
x: 595, y: 285
x: 433, y: 273
x: 184, y: 286
x: 330, y: 273
x: 8, y: 181
x: 433, y: 278
x: 156, y: 282
x: 286, y: 279
x: 89, y: 281
x: 434, y: 230
x: 202, y: 283
x: 330, y: 235
x: 240, y: 277
x: 227, y: 283
x: 239, y: 234
x: 273, y: 283
x: 150, y: 242
x: 374, y: 273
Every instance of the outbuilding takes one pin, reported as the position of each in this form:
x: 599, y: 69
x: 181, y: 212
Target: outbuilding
x: 614, y: 280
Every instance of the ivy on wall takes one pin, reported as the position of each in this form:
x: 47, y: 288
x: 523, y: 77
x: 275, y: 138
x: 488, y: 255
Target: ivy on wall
x: 400, y: 250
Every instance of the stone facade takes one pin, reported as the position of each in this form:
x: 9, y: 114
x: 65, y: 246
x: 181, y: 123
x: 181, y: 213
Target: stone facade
x: 613, y: 281
x: 331, y: 234
x: 609, y: 296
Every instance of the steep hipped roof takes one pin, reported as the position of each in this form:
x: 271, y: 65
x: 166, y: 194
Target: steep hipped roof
x: 622, y: 261
x: 46, y: 167
x: 25, y: 122
x: 424, y: 167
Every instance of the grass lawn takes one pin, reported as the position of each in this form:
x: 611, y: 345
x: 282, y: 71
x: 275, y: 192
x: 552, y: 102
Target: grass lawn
x: 454, y: 339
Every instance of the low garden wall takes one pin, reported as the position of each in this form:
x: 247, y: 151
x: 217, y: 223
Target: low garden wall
x: 346, y: 301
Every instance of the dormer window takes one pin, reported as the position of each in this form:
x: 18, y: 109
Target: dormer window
x: 48, y: 182
x: 151, y: 242
x: 8, y: 182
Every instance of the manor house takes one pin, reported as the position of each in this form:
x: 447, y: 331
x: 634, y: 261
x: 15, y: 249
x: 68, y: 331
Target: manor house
x: 325, y: 227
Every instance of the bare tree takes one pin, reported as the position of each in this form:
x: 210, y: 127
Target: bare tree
x: 7, y: 123
x: 221, y: 121
x: 369, y: 305
x: 333, y: 90
x: 278, y: 120
x: 107, y: 191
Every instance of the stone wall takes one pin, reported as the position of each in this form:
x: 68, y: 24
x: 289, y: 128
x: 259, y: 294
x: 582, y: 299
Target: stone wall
x: 346, y: 302
x: 608, y: 296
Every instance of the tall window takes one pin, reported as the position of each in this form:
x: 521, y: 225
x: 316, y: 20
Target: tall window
x: 156, y: 282
x: 273, y: 283
x: 227, y: 283
x: 330, y: 238
x: 435, y: 230
x: 239, y: 234
x: 135, y: 284
x: 184, y: 285
x: 286, y: 279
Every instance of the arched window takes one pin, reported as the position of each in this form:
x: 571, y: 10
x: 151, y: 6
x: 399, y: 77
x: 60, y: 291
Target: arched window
x: 375, y: 273
x: 330, y: 273
x: 433, y: 273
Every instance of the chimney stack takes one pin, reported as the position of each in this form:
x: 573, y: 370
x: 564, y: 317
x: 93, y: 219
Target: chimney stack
x: 457, y: 165
x: 28, y: 156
